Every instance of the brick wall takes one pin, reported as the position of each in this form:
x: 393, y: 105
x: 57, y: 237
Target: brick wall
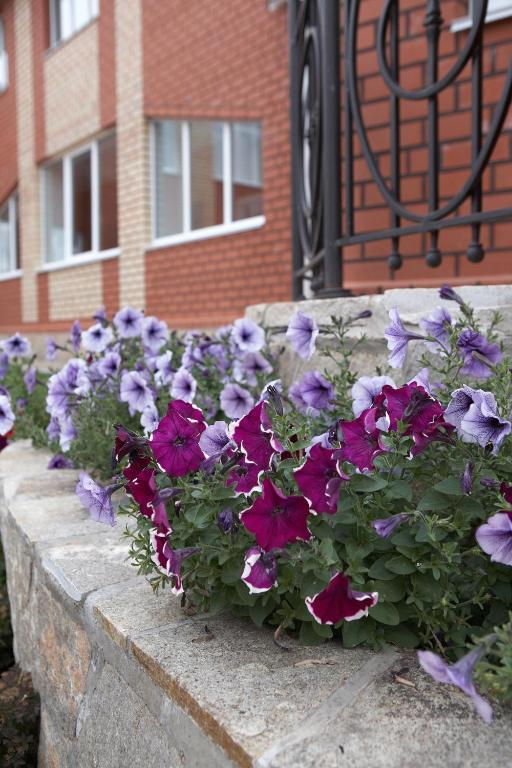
x: 8, y: 148
x: 366, y: 266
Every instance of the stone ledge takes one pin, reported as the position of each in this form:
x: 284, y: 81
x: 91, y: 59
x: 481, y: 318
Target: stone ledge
x: 126, y: 677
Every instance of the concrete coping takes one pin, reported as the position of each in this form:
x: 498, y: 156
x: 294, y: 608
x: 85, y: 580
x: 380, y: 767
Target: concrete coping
x: 126, y: 674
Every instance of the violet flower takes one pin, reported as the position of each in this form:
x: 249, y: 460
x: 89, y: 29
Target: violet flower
x: 4, y: 365
x: 314, y: 477
x: 169, y: 560
x: 135, y: 392
x: 17, y: 346
x: 302, y: 334
x: 466, y: 480
x: 338, y: 601
x: 460, y: 403
x: 245, y: 476
x: 215, y: 441
x: 495, y: 537
x: 276, y: 519
x: 60, y: 462
x: 128, y: 322
x: 53, y: 429
x: 76, y: 336
x: 175, y: 444
x: 97, y: 500
x: 478, y: 354
x: 447, y: 292
x: 164, y: 369
x: 260, y: 570
x: 6, y: 415
x: 315, y: 391
x: 398, y: 339
x: 250, y: 367
x: 149, y: 418
x: 437, y: 326
x: 248, y: 336
x: 386, y: 526
x: 483, y: 425
x: 30, y: 380
x: 97, y: 338
x: 235, y: 401
x: 100, y: 315
x: 183, y: 385
x: 459, y: 674
x: 51, y: 349
x: 109, y: 365
x: 225, y: 520
x: 155, y: 333
x: 67, y: 432
x: 366, y: 389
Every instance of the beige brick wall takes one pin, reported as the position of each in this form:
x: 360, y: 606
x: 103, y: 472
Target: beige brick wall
x: 28, y: 176
x: 75, y: 291
x: 72, y: 91
x: 132, y: 153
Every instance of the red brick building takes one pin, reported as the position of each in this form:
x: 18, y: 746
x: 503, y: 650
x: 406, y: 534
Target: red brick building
x: 145, y: 157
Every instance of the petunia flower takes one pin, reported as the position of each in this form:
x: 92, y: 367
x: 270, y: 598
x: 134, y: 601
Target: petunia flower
x: 459, y: 674
x: 97, y: 500
x: 386, y: 526
x: 17, y: 346
x: 466, y: 480
x: 100, y: 315
x: 314, y: 391
x: 302, y: 333
x: 4, y: 365
x: 478, y: 354
x: 246, y: 477
x: 155, y: 333
x: 30, y: 380
x: 254, y: 437
x: 495, y: 537
x: 360, y: 445
x: 247, y: 335
x: 183, y: 385
x: 460, y: 403
x: 315, y: 480
x: 149, y: 418
x: 164, y: 369
x: 67, y: 432
x: 175, y: 444
x: 215, y: 441
x: 437, y: 326
x: 366, y: 389
x: 60, y: 462
x: 128, y: 322
x: 483, y: 425
x: 260, y: 570
x: 75, y: 336
x: 276, y: 519
x: 398, y: 339
x: 447, y: 292
x: 250, y: 366
x: 51, y: 349
x: 97, y: 338
x: 235, y: 401
x: 7, y: 417
x: 225, y: 520
x: 134, y: 391
x: 169, y: 560
x: 109, y: 365
x: 338, y: 601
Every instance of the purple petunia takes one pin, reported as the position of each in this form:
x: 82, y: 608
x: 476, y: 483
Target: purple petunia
x: 447, y: 292
x: 4, y: 365
x: 135, y: 392
x: 254, y: 437
x: 385, y: 526
x: 437, y: 326
x: 169, y: 560
x: 495, y: 537
x: 260, y: 570
x: 97, y: 338
x: 6, y: 415
x: 109, y: 365
x: 235, y: 401
x: 466, y: 480
x: 214, y: 441
x: 460, y: 675
x: 30, y: 380
x: 250, y: 366
x: 128, y: 322
x: 483, y: 425
x: 366, y: 389
x: 164, y: 369
x: 398, y: 339
x: 338, y: 601
x: 60, y: 462
x: 478, y: 354
x: 100, y: 315
x: 183, y: 386
x: 277, y: 519
x: 51, y: 349
x: 17, y: 346
x: 155, y: 333
x: 360, y: 444
x: 97, y: 500
x: 76, y: 336
x: 248, y: 336
x: 319, y: 480
x: 302, y: 333
x: 245, y: 477
x: 175, y: 442
x: 149, y: 418
x: 225, y: 520
x: 312, y: 394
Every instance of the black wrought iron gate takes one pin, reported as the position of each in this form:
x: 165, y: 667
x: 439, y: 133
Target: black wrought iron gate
x: 322, y: 227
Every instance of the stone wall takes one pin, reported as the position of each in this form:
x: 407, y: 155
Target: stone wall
x: 126, y: 678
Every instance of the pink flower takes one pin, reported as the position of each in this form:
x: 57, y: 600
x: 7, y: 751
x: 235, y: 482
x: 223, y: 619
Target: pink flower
x: 260, y: 570
x: 245, y: 476
x: 253, y: 435
x: 169, y: 560
x: 319, y: 480
x: 175, y: 442
x: 338, y: 601
x: 276, y: 519
x: 360, y: 445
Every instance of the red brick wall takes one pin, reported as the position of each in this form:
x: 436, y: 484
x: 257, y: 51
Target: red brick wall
x: 107, y: 63
x: 366, y: 266
x: 8, y: 159
x: 10, y: 302
x: 40, y: 44
x: 226, y: 62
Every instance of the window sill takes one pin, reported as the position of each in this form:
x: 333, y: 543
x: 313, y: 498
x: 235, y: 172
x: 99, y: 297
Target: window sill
x: 58, y: 44
x: 219, y: 230
x: 466, y: 22
x: 12, y: 275
x: 80, y: 260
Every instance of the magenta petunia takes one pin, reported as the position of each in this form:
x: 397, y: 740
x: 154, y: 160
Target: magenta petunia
x: 276, y: 519
x: 169, y: 560
x: 316, y: 477
x: 260, y: 570
x: 360, y: 445
x: 253, y: 435
x: 175, y: 442
x: 245, y: 476
x: 339, y: 601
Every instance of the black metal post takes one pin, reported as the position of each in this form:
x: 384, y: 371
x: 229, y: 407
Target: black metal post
x: 433, y: 24
x: 297, y: 257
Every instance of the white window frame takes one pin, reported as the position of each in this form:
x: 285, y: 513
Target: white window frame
x: 93, y: 13
x: 228, y: 227
x: 12, y: 213
x: 85, y: 257
x: 496, y: 10
x: 4, y: 59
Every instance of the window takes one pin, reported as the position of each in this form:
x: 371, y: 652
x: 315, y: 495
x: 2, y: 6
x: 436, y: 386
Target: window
x: 9, y: 236
x: 496, y: 10
x: 80, y: 202
x: 68, y: 16
x: 4, y: 62
x: 206, y: 174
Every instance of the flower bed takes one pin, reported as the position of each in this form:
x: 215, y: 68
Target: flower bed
x: 345, y: 505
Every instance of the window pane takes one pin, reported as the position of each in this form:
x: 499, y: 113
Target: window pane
x: 168, y: 178
x: 81, y: 184
x: 5, y: 261
x: 206, y: 182
x: 108, y: 193
x: 54, y: 212
x: 81, y: 13
x: 4, y: 66
x: 247, y: 182
x: 65, y: 19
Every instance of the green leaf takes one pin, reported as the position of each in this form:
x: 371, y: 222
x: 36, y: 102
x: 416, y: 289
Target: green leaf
x: 399, y: 489
x: 434, y: 501
x: 379, y: 570
x: 357, y: 632
x: 503, y: 590
x: 385, y: 613
x: 309, y: 636
x: 400, y: 565
x: 390, y: 591
x: 367, y: 483
x: 259, y: 612
x: 328, y: 551
x: 451, y: 486
x: 402, y: 636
